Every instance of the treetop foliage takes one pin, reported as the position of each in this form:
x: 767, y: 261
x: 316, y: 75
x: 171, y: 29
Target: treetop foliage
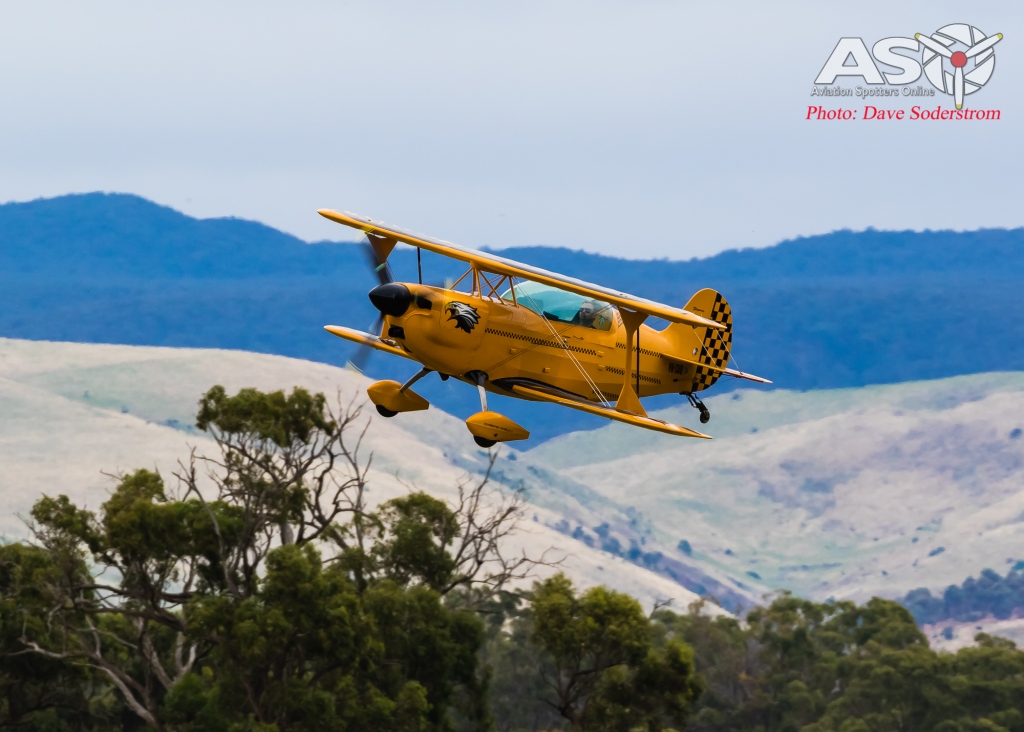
x: 282, y: 419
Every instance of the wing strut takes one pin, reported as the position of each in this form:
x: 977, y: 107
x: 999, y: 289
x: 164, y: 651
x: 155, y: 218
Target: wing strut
x: 382, y: 245
x: 638, y: 363
x: 629, y: 400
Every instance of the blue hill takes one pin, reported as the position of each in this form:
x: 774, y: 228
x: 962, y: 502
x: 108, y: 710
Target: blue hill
x: 842, y: 309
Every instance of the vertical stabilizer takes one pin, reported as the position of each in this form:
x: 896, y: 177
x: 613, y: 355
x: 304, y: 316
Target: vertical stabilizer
x: 704, y: 346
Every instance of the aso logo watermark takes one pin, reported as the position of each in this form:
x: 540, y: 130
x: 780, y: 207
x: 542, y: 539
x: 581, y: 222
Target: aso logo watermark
x: 956, y: 60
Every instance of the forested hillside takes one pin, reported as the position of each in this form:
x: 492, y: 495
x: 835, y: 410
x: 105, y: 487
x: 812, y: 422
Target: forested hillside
x: 843, y: 309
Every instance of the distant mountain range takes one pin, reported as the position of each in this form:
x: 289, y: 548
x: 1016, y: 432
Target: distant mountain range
x: 842, y: 309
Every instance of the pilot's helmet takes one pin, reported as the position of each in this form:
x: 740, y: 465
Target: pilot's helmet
x: 602, y: 315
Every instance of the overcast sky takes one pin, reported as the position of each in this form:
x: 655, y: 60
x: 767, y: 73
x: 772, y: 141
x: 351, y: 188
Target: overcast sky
x: 635, y: 128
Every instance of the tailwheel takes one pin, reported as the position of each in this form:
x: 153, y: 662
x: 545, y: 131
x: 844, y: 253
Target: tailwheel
x: 705, y: 413
x: 385, y: 412
x: 484, y: 442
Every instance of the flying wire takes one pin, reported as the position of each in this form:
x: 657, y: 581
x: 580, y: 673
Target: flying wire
x: 711, y: 358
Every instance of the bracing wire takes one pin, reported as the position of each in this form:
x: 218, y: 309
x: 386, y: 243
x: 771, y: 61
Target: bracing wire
x: 730, y: 358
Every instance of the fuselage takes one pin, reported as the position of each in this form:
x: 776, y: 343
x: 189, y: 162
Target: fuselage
x: 457, y: 333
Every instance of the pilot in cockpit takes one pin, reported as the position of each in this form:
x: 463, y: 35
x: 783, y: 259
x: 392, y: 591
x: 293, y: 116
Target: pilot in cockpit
x: 586, y: 315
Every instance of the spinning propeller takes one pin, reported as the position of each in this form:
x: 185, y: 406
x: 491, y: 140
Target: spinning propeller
x: 384, y: 275
x: 958, y: 59
x: 376, y: 251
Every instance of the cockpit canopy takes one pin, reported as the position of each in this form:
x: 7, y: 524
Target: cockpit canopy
x: 563, y: 307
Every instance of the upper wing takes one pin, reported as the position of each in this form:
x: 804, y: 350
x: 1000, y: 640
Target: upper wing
x: 649, y: 423
x: 502, y: 266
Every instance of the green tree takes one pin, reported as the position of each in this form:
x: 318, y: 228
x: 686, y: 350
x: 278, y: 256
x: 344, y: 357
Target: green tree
x: 40, y: 693
x: 725, y: 656
x: 516, y: 688
x: 842, y: 667
x: 599, y: 663
x: 263, y: 592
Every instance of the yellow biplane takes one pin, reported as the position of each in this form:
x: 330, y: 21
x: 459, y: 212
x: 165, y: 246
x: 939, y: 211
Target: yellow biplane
x: 528, y: 333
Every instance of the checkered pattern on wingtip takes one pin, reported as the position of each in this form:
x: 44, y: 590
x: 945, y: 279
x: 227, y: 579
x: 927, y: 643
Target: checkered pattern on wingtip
x: 717, y: 344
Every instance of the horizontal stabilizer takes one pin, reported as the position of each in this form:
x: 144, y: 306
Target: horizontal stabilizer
x: 725, y: 371
x: 366, y: 339
x: 749, y: 377
x: 649, y: 423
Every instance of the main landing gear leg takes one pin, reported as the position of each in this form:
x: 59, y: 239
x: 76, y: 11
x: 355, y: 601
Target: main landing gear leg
x: 480, y: 378
x: 705, y: 413
x: 419, y: 375
x: 489, y: 428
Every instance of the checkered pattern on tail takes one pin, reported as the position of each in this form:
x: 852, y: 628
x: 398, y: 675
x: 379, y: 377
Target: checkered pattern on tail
x: 716, y: 345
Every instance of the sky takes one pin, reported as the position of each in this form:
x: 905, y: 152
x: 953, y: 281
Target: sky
x: 639, y: 128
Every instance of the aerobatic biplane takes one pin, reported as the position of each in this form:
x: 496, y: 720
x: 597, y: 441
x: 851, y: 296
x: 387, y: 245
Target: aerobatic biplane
x: 528, y: 333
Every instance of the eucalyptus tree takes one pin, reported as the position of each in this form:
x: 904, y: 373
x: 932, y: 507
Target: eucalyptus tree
x: 263, y: 588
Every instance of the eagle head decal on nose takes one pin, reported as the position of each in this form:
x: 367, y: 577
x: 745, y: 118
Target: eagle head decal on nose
x: 465, y: 316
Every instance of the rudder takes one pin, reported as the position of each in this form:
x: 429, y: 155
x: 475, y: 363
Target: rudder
x: 714, y: 345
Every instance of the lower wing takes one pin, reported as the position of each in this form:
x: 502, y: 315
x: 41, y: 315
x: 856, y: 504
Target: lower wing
x: 649, y: 423
x: 366, y: 339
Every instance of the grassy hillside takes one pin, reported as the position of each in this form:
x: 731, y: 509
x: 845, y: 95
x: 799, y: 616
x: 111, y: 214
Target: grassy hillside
x: 833, y: 493
x: 843, y: 493
x: 844, y: 309
x: 75, y: 413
